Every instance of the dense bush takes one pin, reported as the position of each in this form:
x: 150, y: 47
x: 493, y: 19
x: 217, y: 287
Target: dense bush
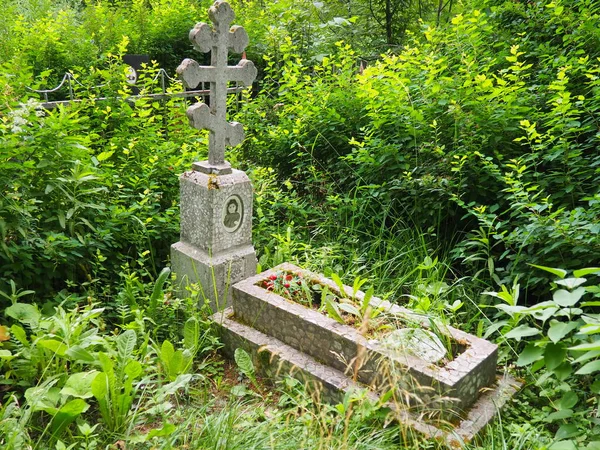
x: 71, y: 35
x: 90, y: 190
x: 472, y: 122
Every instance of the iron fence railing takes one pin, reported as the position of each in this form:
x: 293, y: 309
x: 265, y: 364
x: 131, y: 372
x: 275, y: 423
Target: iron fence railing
x: 69, y: 80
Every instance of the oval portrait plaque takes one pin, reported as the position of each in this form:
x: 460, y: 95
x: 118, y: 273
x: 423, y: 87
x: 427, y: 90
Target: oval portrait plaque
x: 233, y: 213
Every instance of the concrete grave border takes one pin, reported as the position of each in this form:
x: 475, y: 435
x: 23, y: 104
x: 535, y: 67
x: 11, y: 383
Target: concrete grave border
x: 450, y: 389
x: 275, y: 360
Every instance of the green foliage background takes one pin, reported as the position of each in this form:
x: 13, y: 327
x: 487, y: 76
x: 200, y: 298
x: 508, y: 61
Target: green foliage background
x: 445, y: 167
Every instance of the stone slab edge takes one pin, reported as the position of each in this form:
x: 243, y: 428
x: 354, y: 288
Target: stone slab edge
x: 479, y: 352
x: 302, y: 366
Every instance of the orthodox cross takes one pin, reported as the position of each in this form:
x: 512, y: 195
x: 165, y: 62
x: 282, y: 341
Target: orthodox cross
x: 218, y: 41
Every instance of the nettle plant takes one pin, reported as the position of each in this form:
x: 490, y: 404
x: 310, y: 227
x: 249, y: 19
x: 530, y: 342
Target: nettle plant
x: 562, y: 347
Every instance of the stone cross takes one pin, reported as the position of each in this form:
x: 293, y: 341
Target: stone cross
x: 218, y: 41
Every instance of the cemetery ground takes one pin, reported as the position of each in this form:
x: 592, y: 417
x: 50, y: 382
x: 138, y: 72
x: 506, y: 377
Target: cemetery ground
x: 455, y: 175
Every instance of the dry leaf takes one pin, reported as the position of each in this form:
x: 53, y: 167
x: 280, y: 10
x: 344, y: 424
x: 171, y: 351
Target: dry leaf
x: 4, y: 335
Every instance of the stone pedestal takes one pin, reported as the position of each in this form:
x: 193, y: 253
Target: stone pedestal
x: 215, y: 249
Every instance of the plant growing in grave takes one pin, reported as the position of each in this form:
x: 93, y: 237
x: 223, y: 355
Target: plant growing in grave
x: 335, y: 304
x: 558, y: 341
x: 398, y: 334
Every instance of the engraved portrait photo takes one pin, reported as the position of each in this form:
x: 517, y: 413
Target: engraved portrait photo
x: 232, y: 213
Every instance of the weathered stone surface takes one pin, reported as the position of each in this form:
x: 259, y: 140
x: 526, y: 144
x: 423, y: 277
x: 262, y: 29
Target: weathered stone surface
x: 216, y: 235
x: 450, y: 388
x: 274, y: 360
x: 215, y: 249
x: 215, y: 274
x: 218, y: 41
x: 204, y: 201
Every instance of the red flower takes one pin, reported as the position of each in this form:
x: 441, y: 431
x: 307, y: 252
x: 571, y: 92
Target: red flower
x: 289, y: 276
x: 286, y: 285
x: 273, y: 277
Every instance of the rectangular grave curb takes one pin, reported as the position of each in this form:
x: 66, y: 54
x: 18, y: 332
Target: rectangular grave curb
x: 275, y: 360
x: 458, y: 382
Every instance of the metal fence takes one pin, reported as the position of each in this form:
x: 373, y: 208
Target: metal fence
x: 68, y: 81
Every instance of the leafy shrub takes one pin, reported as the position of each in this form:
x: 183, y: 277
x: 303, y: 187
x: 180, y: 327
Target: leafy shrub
x: 434, y: 133
x: 91, y: 189
x: 558, y: 343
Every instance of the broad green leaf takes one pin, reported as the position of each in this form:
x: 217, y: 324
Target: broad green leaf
x: 157, y: 291
x: 510, y: 310
x: 549, y: 304
x: 495, y: 326
x: 191, y: 333
x: 126, y: 344
x: 166, y: 430
x: 6, y: 355
x: 78, y: 353
x: 100, y: 386
x: 55, y: 346
x: 133, y: 369
x: 561, y: 273
x: 567, y: 401
x: 244, y: 362
x: 350, y: 309
x: 239, y: 390
x: 332, y: 310
x: 567, y: 430
x: 559, y: 330
x: 586, y: 271
x: 80, y: 384
x: 591, y: 367
x: 522, y: 331
x: 554, y: 355
x: 104, y: 156
x: 506, y: 296
x: 565, y: 298
x: 24, y: 313
x: 62, y: 219
x: 19, y: 334
x: 571, y: 283
x: 559, y: 415
x: 358, y: 283
x: 568, y: 312
x: 563, y: 371
x: 530, y: 354
x: 106, y: 363
x: 589, y: 329
x: 166, y: 352
x: 180, y: 382
x: 587, y: 356
x: 338, y: 281
x: 367, y: 299
x: 175, y: 364
x: 564, y: 445
x: 544, y: 314
x: 67, y: 414
x: 44, y: 397
x: 586, y: 347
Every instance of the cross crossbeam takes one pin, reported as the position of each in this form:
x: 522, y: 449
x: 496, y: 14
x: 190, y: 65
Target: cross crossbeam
x: 218, y: 40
